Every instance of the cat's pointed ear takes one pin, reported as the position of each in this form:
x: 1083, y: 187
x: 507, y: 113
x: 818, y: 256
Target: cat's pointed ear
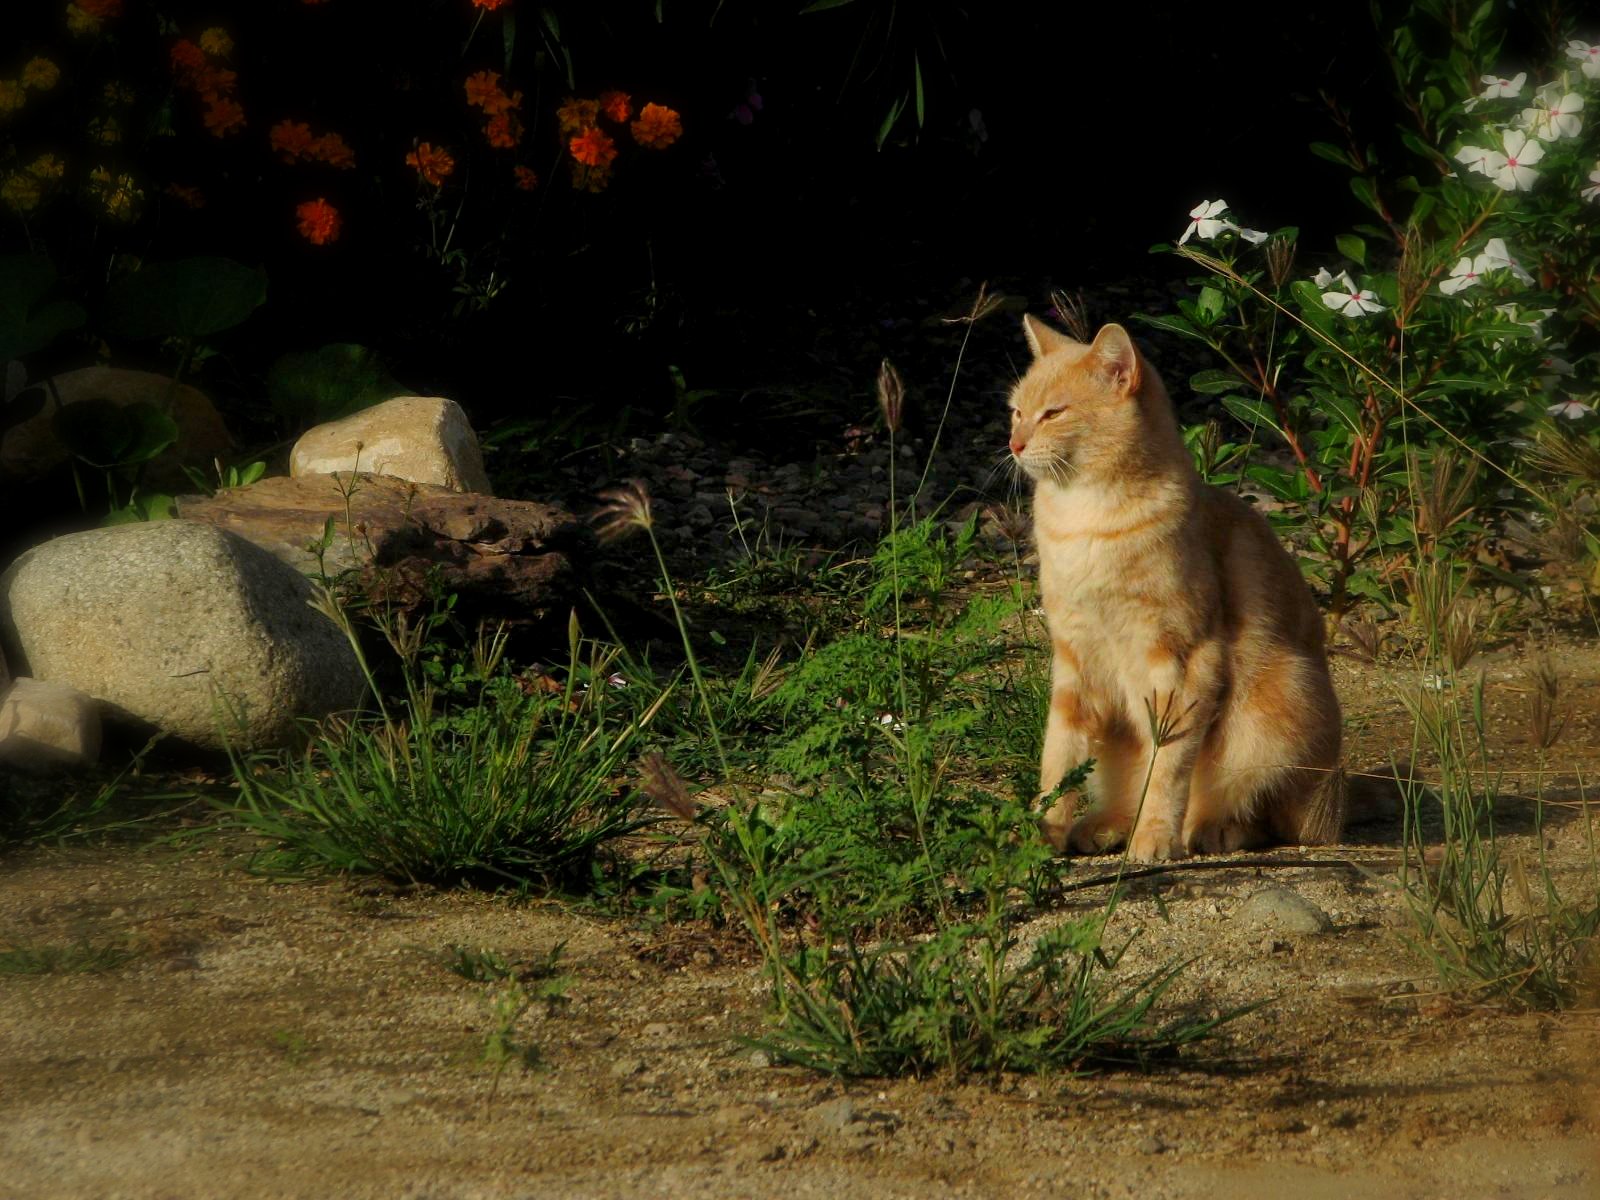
x: 1117, y: 358
x: 1041, y: 338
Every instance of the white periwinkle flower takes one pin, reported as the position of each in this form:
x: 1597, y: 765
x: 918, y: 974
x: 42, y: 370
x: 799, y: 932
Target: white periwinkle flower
x: 1517, y: 173
x: 1351, y: 302
x: 1476, y: 158
x: 1495, y: 87
x: 1554, y: 113
x: 1572, y: 409
x: 1465, y: 274
x: 1254, y: 236
x: 1592, y: 192
x: 1533, y: 318
x: 1496, y: 257
x: 1587, y: 55
x: 1206, y: 220
x: 1325, y: 279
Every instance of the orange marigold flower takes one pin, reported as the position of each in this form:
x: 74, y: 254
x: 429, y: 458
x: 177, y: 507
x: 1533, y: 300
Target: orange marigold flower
x: 223, y: 116
x: 290, y: 139
x: 491, y: 5
x: 216, y: 41
x: 433, y: 163
x: 576, y: 115
x: 616, y: 105
x: 187, y: 58
x: 333, y: 150
x: 526, y: 178
x: 593, y: 148
x: 215, y: 83
x: 189, y: 197
x: 320, y: 221
x: 504, y: 131
x: 657, y: 127
x: 40, y: 74
x: 483, y: 91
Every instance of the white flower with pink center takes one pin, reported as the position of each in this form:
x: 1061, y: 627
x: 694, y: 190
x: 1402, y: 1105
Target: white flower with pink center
x: 1205, y: 219
x: 1496, y: 257
x: 1521, y: 153
x: 1554, y: 113
x: 1354, y: 302
x: 1588, y: 57
x: 1495, y: 87
x: 1592, y: 192
x: 1570, y: 408
x: 1484, y: 162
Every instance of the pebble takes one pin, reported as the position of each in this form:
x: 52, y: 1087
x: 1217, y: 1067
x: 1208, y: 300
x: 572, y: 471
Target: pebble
x: 1282, y: 909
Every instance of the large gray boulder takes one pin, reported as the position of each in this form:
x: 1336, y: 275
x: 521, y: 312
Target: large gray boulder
x: 181, y: 627
x: 423, y: 439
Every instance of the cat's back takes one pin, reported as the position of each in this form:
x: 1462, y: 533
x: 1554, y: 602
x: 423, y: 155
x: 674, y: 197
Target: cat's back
x: 1263, y: 589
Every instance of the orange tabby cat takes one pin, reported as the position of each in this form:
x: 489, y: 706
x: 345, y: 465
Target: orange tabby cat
x: 1175, y: 617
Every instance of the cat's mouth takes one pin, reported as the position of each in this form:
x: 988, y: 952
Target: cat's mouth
x: 1040, y: 464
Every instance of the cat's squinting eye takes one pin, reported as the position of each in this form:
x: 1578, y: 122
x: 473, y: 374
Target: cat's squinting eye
x: 1051, y: 412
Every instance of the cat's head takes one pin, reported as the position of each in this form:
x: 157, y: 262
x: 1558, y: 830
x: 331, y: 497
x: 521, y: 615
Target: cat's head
x: 1079, y: 406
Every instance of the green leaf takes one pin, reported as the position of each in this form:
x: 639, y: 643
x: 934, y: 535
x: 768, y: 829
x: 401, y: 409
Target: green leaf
x: 1352, y: 247
x: 1366, y: 192
x: 508, y: 32
x: 1213, y: 382
x: 1422, y: 207
x: 107, y: 435
x: 333, y: 381
x: 916, y: 68
x: 191, y: 298
x: 1251, y: 412
x: 1211, y: 303
x: 889, y: 119
x: 1333, y: 154
x: 26, y: 324
x: 1172, y: 324
x: 1311, y: 306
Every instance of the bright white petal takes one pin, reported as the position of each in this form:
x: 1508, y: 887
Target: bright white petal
x: 1324, y: 278
x: 1189, y: 232
x: 1338, y: 301
x: 1254, y: 236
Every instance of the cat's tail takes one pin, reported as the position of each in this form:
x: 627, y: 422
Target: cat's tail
x: 1346, y: 798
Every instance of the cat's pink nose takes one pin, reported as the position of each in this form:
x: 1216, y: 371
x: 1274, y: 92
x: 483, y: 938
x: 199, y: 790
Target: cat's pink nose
x: 1017, y: 447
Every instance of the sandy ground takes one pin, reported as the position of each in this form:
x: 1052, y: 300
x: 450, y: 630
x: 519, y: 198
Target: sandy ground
x: 305, y: 1040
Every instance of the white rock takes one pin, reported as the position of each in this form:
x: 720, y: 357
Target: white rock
x: 425, y: 439
x: 45, y: 726
x: 182, y: 627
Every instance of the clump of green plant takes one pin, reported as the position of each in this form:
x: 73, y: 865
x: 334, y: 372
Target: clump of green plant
x: 885, y: 896
x: 518, y: 787
x: 1491, y: 921
x: 1438, y: 336
x: 86, y: 956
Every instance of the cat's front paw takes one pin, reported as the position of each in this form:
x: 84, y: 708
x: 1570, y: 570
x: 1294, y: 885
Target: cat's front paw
x: 1153, y: 843
x: 1096, y: 833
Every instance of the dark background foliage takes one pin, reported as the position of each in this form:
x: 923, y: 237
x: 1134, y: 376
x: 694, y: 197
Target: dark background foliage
x: 1057, y: 143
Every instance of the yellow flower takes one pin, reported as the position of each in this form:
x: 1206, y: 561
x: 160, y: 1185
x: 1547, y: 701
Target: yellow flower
x: 20, y: 193
x: 576, y: 115
x: 120, y: 195
x: 105, y: 131
x: 47, y: 167
x: 217, y: 43
x: 12, y: 97
x: 80, y: 22
x: 40, y: 74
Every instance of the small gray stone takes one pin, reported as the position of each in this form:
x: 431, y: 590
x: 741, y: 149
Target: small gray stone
x: 46, y: 726
x: 1150, y: 1145
x: 836, y: 1114
x: 1284, y: 910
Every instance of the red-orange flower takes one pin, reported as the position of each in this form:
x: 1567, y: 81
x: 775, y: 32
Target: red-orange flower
x: 320, y: 221
x: 616, y: 105
x: 434, y: 164
x: 657, y: 127
x: 491, y: 5
x: 483, y: 91
x: 574, y: 115
x: 215, y: 83
x: 526, y: 179
x: 593, y: 148
x: 223, y: 116
x: 190, y: 197
x: 101, y: 10
x: 332, y: 149
x: 290, y: 139
x: 504, y: 131
x: 187, y: 58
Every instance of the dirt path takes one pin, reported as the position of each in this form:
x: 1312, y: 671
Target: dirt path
x: 305, y: 1039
